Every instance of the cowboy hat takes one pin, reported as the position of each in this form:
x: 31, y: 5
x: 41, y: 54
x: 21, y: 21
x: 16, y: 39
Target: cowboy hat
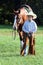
x: 31, y: 13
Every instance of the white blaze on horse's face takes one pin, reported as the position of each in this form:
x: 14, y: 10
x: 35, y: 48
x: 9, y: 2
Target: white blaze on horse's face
x: 14, y: 25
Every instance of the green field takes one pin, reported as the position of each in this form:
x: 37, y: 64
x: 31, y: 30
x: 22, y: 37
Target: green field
x: 10, y: 48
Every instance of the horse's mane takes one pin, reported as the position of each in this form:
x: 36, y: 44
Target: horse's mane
x: 25, y: 6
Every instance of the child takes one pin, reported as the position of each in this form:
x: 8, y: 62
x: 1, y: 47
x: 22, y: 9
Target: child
x: 29, y: 28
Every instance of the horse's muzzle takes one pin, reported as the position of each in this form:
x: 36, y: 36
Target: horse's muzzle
x: 14, y: 28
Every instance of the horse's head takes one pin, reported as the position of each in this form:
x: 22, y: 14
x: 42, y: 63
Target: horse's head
x: 20, y: 16
x: 16, y: 19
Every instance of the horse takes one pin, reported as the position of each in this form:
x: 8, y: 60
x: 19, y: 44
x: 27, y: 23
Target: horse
x: 18, y: 23
x: 20, y: 19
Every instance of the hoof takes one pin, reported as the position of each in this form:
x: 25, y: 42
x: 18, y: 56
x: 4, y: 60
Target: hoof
x: 22, y: 53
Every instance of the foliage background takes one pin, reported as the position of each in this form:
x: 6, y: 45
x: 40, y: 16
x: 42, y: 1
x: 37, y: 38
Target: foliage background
x: 7, y: 6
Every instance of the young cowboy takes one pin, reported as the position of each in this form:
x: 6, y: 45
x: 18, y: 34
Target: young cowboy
x: 29, y: 28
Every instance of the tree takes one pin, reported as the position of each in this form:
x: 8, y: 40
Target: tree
x: 7, y: 6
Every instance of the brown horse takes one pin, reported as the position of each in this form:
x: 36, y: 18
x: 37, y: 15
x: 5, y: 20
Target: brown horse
x: 21, y: 18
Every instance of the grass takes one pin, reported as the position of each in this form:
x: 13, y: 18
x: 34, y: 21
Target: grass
x: 10, y: 48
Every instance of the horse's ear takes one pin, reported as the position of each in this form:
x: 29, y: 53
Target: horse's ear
x: 16, y: 12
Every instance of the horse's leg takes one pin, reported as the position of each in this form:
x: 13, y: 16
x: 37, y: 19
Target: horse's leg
x: 21, y: 40
x: 25, y: 46
x: 32, y: 45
